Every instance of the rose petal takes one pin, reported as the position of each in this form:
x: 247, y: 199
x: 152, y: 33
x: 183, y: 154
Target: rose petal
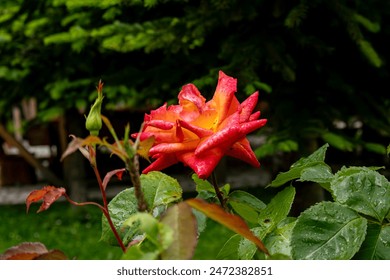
x: 248, y: 106
x: 199, y: 131
x: 174, y: 147
x: 243, y: 151
x: 204, y: 164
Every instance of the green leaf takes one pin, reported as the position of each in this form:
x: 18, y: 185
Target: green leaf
x: 319, y: 173
x: 327, y: 231
x: 160, y: 189
x: 276, y: 211
x: 377, y: 243
x: 383, y: 248
x: 201, y: 220
x: 278, y: 241
x: 338, y: 141
x: 183, y: 224
x: 246, y: 250
x: 246, y: 205
x: 159, y: 234
x: 364, y: 190
x: 206, y: 190
x: 370, y: 53
x: 317, y: 158
x: 232, y: 222
x: 149, y: 238
x: 121, y: 207
x: 376, y: 148
x: 229, y: 250
x: 136, y: 253
x: 368, y: 24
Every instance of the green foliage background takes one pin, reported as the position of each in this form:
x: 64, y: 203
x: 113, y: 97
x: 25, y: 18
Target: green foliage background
x: 316, y: 63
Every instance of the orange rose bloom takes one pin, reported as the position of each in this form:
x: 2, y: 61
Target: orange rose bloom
x: 199, y: 133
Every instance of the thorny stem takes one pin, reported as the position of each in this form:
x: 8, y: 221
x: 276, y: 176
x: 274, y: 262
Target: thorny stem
x: 133, y: 167
x: 217, y: 190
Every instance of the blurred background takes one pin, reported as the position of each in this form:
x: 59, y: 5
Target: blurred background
x: 321, y: 68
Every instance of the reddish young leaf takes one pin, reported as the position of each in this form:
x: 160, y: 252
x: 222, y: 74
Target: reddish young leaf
x: 117, y: 172
x: 48, y: 194
x: 73, y: 146
x: 31, y: 251
x: 80, y: 143
x: 232, y: 222
x: 24, y: 251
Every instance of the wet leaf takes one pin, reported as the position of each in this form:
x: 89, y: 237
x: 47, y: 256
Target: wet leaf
x: 278, y: 241
x: 313, y: 162
x: 246, y: 205
x: 328, y: 231
x: 206, y: 190
x: 319, y: 173
x: 233, y: 222
x: 117, y: 172
x: 159, y: 190
x: 383, y: 248
x: 246, y: 250
x: 48, y: 194
x: 182, y: 221
x: 363, y: 190
x: 121, y: 207
x: 277, y: 210
x: 376, y: 246
x: 148, y: 230
x: 31, y: 251
x: 202, y: 184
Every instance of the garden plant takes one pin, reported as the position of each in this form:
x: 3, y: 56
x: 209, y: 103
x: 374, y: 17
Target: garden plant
x: 152, y: 220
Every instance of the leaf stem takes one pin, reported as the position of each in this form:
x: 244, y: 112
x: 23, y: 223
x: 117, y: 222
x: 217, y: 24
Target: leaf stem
x: 105, y: 213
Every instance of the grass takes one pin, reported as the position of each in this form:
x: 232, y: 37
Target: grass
x: 76, y: 232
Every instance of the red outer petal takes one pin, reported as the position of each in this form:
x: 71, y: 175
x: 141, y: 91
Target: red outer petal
x: 249, y: 127
x: 161, y: 163
x: 243, y: 151
x: 161, y: 124
x: 229, y: 134
x: 173, y: 147
x: 254, y: 116
x: 203, y: 165
x: 248, y: 106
